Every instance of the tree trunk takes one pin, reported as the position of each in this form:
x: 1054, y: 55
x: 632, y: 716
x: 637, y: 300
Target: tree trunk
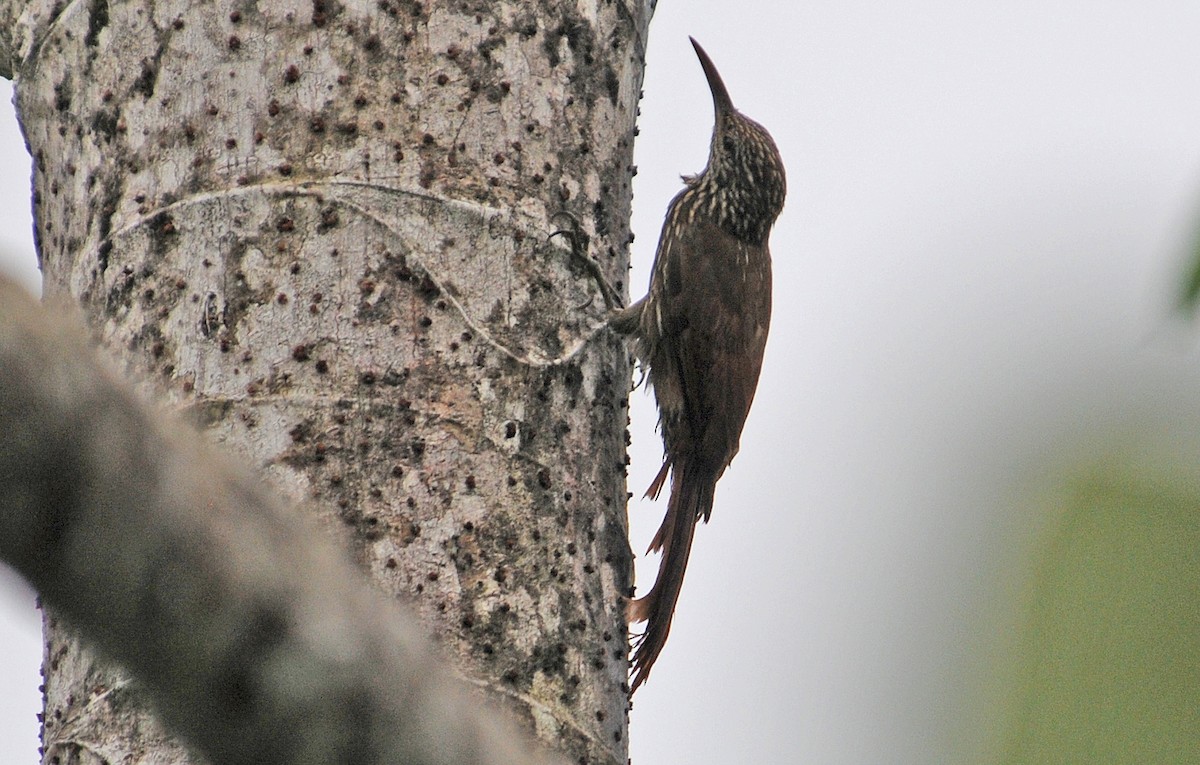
x: 323, y: 228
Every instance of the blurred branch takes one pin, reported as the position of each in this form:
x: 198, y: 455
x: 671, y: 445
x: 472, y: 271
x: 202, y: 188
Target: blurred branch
x: 1190, y: 295
x: 254, y: 637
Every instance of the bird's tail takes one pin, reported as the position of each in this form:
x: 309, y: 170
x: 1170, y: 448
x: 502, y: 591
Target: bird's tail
x: 691, y: 499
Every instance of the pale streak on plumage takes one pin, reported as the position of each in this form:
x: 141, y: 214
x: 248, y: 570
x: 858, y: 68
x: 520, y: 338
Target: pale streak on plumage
x: 700, y: 332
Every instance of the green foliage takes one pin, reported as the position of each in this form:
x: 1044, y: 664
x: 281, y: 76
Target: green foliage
x: 1189, y: 297
x: 1109, y: 663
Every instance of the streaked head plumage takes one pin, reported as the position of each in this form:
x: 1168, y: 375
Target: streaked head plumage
x: 744, y: 184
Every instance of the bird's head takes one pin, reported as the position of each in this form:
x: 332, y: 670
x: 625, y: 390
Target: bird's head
x: 744, y: 179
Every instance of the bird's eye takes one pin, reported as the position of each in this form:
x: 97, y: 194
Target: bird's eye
x: 728, y: 143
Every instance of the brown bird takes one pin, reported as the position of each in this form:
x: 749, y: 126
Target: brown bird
x: 700, y: 333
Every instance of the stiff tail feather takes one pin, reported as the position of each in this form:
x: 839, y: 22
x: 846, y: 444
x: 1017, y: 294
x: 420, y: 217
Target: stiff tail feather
x: 691, y: 498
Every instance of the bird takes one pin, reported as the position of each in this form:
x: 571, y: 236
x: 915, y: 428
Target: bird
x: 699, y: 335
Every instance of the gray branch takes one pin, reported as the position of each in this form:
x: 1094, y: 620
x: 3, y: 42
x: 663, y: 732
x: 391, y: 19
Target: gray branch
x: 254, y: 637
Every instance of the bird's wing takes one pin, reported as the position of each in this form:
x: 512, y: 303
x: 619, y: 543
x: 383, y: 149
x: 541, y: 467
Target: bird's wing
x: 715, y: 306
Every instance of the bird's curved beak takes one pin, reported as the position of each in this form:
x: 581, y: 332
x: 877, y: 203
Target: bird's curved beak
x: 721, y: 101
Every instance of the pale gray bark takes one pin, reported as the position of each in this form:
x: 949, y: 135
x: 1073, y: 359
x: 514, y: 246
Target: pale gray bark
x: 322, y: 227
x: 251, y: 631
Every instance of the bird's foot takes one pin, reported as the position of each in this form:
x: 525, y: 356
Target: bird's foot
x: 573, y: 232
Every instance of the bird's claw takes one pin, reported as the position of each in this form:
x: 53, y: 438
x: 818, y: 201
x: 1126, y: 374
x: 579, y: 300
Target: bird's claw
x: 579, y: 240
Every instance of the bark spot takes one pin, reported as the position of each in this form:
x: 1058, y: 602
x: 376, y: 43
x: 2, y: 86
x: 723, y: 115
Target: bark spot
x: 148, y: 78
x: 62, y: 94
x: 611, y: 84
x: 97, y: 20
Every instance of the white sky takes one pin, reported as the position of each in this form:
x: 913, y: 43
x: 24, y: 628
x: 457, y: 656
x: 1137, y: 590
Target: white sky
x: 987, y: 212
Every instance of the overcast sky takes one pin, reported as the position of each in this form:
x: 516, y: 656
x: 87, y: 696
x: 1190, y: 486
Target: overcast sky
x: 988, y: 206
